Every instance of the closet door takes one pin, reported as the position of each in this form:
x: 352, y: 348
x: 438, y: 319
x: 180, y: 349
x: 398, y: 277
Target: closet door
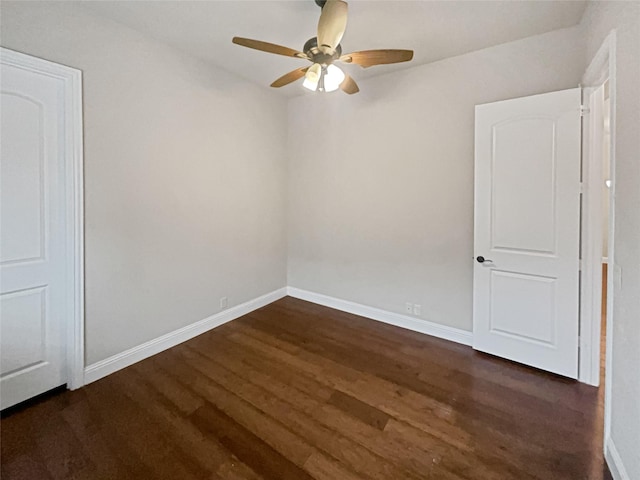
x: 33, y: 255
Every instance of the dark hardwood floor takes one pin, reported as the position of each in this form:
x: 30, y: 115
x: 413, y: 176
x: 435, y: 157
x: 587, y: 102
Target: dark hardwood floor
x: 298, y: 391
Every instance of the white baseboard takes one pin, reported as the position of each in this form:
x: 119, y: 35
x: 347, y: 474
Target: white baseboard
x: 121, y: 360
x: 614, y: 461
x: 417, y: 325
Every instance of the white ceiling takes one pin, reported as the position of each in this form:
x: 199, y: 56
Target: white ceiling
x: 433, y: 29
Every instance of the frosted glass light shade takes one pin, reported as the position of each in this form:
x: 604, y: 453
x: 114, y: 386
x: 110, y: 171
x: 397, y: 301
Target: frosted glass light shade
x: 314, y: 72
x: 333, y: 78
x: 309, y: 84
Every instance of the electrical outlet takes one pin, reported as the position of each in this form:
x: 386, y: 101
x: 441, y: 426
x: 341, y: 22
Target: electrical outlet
x: 224, y: 302
x: 408, y: 307
x: 416, y: 309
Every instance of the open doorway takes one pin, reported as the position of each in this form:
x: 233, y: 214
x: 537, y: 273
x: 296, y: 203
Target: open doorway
x: 599, y: 270
x: 597, y: 253
x: 605, y: 190
x: 596, y: 244
x: 606, y: 204
x: 596, y: 231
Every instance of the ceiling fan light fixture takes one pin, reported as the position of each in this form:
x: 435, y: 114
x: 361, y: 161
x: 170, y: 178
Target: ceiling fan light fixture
x: 310, y: 85
x: 314, y: 72
x: 333, y: 77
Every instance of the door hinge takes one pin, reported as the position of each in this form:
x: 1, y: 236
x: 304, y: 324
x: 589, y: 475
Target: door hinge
x: 584, y: 110
x: 582, y: 187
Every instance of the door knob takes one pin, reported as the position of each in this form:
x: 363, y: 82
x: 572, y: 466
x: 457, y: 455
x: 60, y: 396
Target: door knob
x: 481, y: 259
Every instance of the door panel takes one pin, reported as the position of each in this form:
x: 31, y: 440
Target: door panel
x: 24, y: 317
x: 32, y: 240
x: 523, y: 185
x: 508, y: 300
x: 22, y: 218
x: 527, y: 192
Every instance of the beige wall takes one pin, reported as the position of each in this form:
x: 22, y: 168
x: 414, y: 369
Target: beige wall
x: 599, y: 19
x: 186, y: 187
x: 184, y: 177
x: 381, y: 184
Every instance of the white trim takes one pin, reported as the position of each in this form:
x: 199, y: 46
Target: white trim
x: 417, y: 325
x: 74, y: 158
x: 121, y: 360
x: 601, y: 68
x: 592, y: 227
x: 614, y: 461
x: 598, y: 70
x: 75, y: 177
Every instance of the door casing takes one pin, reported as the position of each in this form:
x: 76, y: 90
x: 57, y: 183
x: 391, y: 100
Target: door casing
x: 601, y: 68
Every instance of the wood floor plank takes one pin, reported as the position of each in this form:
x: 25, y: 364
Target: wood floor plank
x: 24, y: 467
x: 415, y: 415
x: 200, y: 380
x: 205, y: 451
x: 497, y: 408
x: 370, y: 389
x: 324, y: 467
x: 184, y: 401
x: 453, y: 357
x: 299, y: 391
x: 383, y: 447
x: 379, y: 356
x: 299, y: 420
x: 236, y: 470
x: 360, y: 410
x: 245, y: 445
x: 440, y: 443
x: 149, y: 452
x: 382, y: 444
x: 63, y: 459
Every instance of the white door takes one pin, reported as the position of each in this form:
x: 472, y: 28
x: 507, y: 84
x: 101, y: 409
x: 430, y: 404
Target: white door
x: 33, y: 286
x: 527, y: 227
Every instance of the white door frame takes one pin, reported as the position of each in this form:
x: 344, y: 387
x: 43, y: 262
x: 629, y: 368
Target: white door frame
x: 74, y: 182
x: 601, y: 68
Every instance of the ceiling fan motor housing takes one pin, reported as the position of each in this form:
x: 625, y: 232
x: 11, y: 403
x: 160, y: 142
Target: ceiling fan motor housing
x: 318, y: 56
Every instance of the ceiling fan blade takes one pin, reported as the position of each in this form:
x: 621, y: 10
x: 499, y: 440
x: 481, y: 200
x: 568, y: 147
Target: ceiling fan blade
x: 332, y: 24
x: 268, y: 47
x: 287, y: 78
x: 369, y: 58
x: 349, y: 85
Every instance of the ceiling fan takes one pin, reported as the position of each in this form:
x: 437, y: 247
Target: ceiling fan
x: 324, y: 50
